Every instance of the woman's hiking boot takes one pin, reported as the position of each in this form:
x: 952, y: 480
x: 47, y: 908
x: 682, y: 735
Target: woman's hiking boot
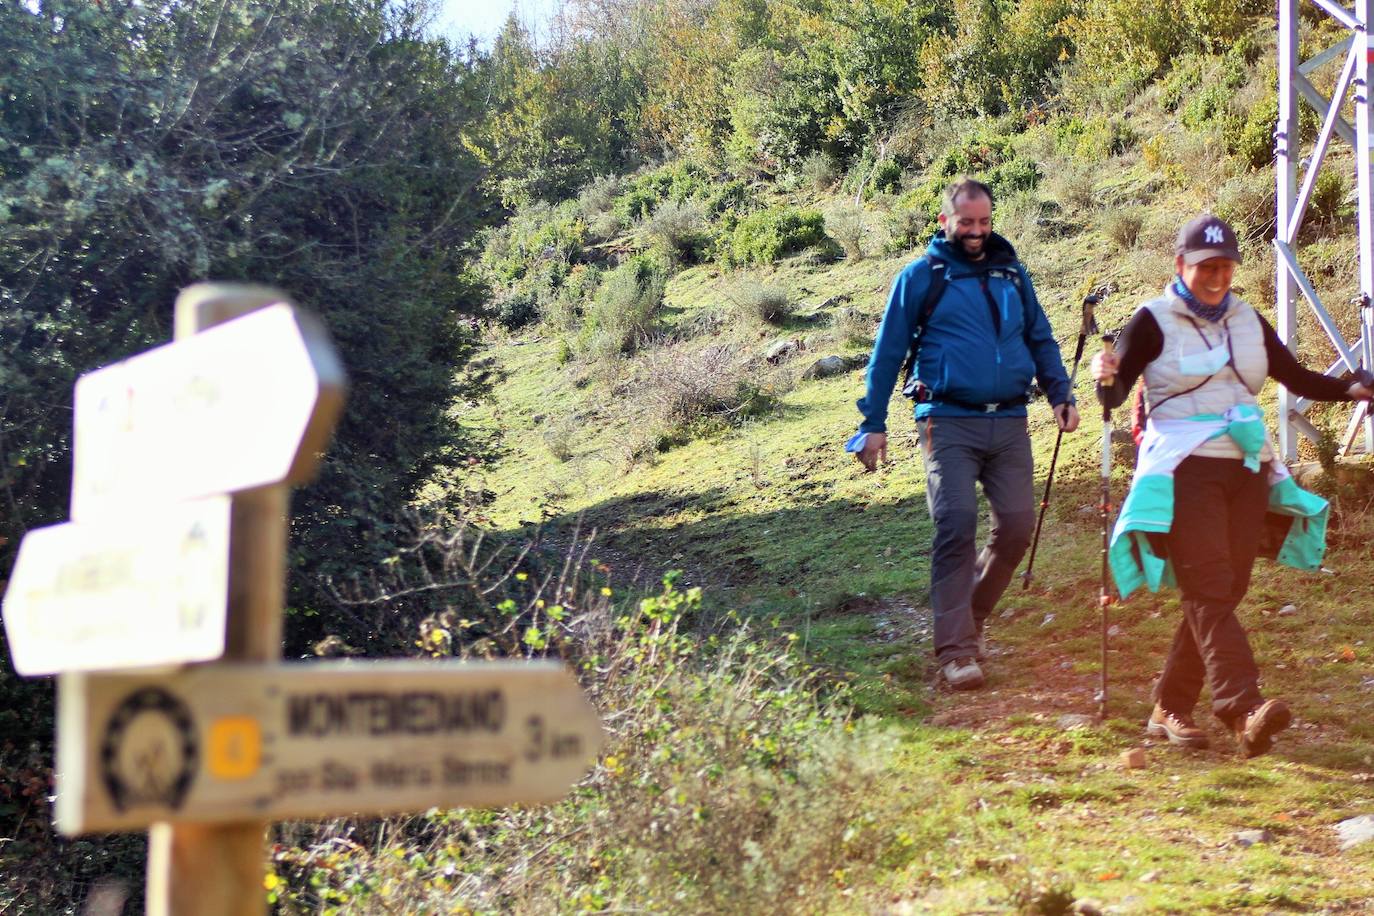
x: 1178, y: 728
x: 962, y: 674
x: 1256, y: 729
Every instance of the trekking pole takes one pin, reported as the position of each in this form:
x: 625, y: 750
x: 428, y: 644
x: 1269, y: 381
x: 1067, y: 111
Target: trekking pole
x: 1105, y: 596
x: 1087, y: 326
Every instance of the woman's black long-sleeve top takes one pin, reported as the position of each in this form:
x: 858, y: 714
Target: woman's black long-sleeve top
x: 1142, y: 341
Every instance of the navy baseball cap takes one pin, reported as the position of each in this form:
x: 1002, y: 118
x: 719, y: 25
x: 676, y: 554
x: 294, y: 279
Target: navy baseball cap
x: 1206, y: 237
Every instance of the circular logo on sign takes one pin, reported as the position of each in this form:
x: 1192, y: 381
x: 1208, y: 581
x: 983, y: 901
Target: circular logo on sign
x: 148, y: 753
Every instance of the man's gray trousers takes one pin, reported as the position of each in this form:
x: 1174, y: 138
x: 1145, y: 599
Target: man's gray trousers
x: 965, y: 583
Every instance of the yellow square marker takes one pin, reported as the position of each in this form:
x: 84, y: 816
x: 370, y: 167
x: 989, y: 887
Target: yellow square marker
x: 235, y: 747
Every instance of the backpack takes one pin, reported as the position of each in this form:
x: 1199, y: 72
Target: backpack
x: 939, y: 279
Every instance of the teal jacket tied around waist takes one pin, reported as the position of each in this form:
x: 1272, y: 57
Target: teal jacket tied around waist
x: 1295, y: 525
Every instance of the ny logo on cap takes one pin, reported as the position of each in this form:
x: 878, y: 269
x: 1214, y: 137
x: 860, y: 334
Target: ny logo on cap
x: 1213, y: 235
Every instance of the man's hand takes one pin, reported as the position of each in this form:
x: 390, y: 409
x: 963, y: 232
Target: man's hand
x: 1067, y: 416
x: 873, y: 452
x: 1359, y: 392
x: 1104, y: 366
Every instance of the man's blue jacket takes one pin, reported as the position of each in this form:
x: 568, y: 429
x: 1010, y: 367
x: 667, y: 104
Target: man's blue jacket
x: 976, y: 349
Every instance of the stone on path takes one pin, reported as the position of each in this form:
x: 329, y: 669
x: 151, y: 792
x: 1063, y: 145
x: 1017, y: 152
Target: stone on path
x: 1355, y: 831
x: 1249, y: 838
x: 827, y: 366
x: 1074, y: 720
x: 1086, y: 906
x: 782, y: 349
x: 1288, y: 610
x: 1134, y: 759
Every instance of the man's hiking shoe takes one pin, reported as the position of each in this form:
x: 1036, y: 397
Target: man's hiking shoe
x: 963, y: 674
x: 1255, y: 730
x: 1179, y: 729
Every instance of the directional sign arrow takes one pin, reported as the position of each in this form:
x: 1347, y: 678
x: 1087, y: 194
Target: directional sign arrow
x: 151, y: 589
x: 247, y: 403
x: 233, y: 742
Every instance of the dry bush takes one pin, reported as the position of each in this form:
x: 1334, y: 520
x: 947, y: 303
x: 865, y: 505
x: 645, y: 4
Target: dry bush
x: 763, y: 302
x: 678, y: 228
x: 1247, y: 203
x: 819, y: 172
x: 599, y: 195
x: 558, y: 435
x: 848, y: 227
x: 678, y: 386
x: 1123, y: 226
x: 1144, y: 269
x: 1072, y: 185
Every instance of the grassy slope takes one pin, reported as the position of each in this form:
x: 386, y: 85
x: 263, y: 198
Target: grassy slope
x: 774, y: 519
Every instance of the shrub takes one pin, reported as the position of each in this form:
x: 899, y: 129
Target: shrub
x: 598, y: 196
x: 1019, y: 217
x: 975, y: 154
x: 1206, y: 108
x: 517, y: 308
x: 683, y: 392
x: 1012, y: 176
x: 819, y: 172
x: 605, y: 226
x: 1123, y: 226
x: 733, y: 196
x: 847, y: 226
x: 1328, y: 203
x: 764, y: 237
x: 558, y: 436
x: 1072, y: 185
x: 1094, y: 138
x: 538, y: 232
x: 720, y: 749
x: 676, y: 181
x: 1252, y: 139
x: 622, y: 313
x: 887, y: 176
x: 679, y: 230
x: 769, y: 303
x: 1247, y: 203
x: 564, y: 311
x: 914, y: 217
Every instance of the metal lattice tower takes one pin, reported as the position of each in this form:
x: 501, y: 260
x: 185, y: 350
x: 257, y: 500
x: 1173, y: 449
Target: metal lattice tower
x: 1357, y: 53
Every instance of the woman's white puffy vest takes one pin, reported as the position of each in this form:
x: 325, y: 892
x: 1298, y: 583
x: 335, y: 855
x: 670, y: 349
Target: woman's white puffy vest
x: 1179, y: 367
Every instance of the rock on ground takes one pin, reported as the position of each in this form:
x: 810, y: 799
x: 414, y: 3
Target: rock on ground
x: 1356, y: 830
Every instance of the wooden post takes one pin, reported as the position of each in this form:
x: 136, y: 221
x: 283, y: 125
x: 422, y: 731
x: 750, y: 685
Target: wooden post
x: 204, y: 870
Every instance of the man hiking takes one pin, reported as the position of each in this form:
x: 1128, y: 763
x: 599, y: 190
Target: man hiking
x: 968, y: 311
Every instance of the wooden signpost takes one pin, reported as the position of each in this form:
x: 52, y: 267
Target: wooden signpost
x: 160, y: 568
x: 146, y: 590
x: 216, y: 742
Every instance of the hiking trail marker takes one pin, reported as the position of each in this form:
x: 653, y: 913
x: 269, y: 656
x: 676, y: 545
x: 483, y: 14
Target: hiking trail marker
x: 176, y: 554
x: 150, y: 591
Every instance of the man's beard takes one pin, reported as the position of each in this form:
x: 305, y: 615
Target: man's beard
x: 963, y: 240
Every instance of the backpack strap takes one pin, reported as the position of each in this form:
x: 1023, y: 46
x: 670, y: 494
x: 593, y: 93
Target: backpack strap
x: 939, y: 279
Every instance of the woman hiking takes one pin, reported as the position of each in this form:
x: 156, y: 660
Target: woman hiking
x: 1209, y: 492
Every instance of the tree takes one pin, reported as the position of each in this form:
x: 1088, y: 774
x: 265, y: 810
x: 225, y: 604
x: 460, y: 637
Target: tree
x: 317, y: 146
